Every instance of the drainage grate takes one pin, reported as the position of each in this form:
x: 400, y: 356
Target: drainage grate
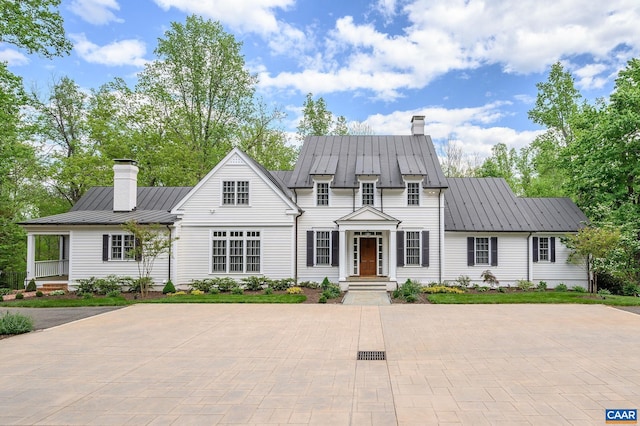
x: 372, y: 355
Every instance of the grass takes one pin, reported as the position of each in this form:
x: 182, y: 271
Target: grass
x: 533, y: 297
x: 187, y: 298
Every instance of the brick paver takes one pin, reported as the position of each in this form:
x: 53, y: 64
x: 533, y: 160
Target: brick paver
x: 296, y: 364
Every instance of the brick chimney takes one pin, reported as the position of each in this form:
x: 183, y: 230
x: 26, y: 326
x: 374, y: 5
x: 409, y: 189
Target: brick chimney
x: 417, y: 125
x: 125, y: 185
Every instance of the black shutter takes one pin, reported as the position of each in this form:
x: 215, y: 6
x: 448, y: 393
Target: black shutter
x: 310, y: 248
x: 471, y: 251
x: 335, y: 249
x: 425, y: 248
x: 400, y: 248
x: 535, y: 249
x: 494, y: 251
x: 552, y: 245
x: 105, y: 247
x: 138, y: 249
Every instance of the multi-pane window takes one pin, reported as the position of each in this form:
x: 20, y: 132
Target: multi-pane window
x: 368, y: 191
x: 235, y: 193
x: 235, y: 251
x: 543, y: 248
x: 413, y: 193
x: 482, y: 250
x: 412, y: 248
x: 323, y: 247
x: 123, y: 247
x: 322, y: 193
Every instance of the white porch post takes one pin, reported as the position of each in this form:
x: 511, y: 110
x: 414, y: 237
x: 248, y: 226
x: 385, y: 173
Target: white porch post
x: 31, y: 255
x: 393, y: 255
x: 342, y: 253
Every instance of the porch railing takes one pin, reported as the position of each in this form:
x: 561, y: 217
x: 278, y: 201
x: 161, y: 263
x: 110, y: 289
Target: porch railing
x: 51, y: 268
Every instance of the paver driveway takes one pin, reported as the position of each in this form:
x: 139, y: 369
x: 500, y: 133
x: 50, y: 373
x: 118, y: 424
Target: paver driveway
x: 296, y: 364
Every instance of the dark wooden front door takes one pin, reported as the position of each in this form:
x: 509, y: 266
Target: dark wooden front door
x: 367, y: 256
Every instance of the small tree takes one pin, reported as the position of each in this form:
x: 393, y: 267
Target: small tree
x: 151, y: 242
x: 595, y: 245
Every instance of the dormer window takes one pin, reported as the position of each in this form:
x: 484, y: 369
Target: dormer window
x: 322, y: 193
x: 368, y: 193
x: 413, y: 193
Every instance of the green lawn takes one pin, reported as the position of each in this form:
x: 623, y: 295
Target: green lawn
x: 45, y: 302
x: 532, y: 297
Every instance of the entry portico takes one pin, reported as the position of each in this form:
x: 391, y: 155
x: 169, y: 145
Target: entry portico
x: 367, y: 241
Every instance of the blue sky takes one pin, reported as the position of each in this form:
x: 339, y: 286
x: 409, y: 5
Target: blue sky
x: 469, y: 66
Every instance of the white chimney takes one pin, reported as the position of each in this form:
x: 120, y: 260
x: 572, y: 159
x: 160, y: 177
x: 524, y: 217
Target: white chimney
x: 125, y: 185
x: 417, y: 125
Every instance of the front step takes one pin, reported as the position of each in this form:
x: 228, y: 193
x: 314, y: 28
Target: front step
x: 368, y: 286
x: 52, y: 287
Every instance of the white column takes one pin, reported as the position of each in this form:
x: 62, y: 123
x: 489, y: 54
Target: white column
x: 342, y: 255
x: 393, y: 255
x: 31, y: 256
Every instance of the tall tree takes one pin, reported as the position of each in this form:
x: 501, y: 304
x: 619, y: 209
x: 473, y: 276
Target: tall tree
x: 200, y: 85
x: 502, y: 163
x: 317, y: 120
x: 455, y: 163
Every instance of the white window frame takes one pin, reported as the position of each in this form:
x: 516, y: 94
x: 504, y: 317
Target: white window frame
x: 317, y: 193
x: 123, y: 257
x: 231, y: 239
x: 374, y: 184
x: 316, y: 246
x: 236, y: 195
x: 476, y: 250
x: 418, y: 194
x: 417, y: 251
x: 547, y: 250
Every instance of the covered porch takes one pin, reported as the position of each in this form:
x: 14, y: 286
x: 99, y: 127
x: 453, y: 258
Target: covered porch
x: 48, y: 257
x: 367, y: 241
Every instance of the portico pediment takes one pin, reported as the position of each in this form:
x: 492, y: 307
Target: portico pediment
x: 367, y: 214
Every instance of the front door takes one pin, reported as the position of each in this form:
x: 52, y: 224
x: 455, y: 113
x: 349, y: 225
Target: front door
x: 368, y: 256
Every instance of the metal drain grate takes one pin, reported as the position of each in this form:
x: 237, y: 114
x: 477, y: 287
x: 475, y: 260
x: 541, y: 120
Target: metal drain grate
x: 372, y: 356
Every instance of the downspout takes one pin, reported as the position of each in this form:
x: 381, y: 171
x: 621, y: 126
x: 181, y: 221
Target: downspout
x: 170, y: 246
x: 353, y: 200
x: 295, y: 239
x: 529, y: 256
x: 381, y: 200
x: 439, y: 237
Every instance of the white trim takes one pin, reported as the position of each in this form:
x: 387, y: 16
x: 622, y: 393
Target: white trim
x: 419, y: 231
x: 235, y: 194
x: 315, y: 247
x: 227, y: 238
x: 407, y: 181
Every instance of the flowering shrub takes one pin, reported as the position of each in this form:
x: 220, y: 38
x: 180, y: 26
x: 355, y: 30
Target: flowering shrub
x: 294, y: 290
x: 197, y: 292
x: 441, y: 289
x: 177, y: 293
x: 57, y: 293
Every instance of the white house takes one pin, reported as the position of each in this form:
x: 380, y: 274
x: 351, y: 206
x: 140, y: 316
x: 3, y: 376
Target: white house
x: 364, y: 211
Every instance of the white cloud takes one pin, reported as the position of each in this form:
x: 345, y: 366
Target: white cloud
x: 13, y: 57
x: 590, y: 76
x: 118, y: 53
x: 245, y: 15
x: 97, y: 12
x: 467, y: 126
x: 446, y: 35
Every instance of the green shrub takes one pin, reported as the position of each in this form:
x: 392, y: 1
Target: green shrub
x: 441, y: 289
x: 108, y: 284
x: 604, y: 292
x: 408, y: 289
x: 630, y: 289
x: 19, y: 296
x: 325, y: 282
x: 281, y: 285
x: 225, y: 284
x: 32, y: 285
x: 410, y: 298
x: 237, y: 290
x: 524, y: 285
x: 614, y: 284
x: 214, y: 290
x: 203, y: 285
x: 268, y: 290
x: 542, y: 286
x: 309, y: 284
x: 253, y: 283
x: 331, y: 291
x: 57, y: 293
x: 579, y: 289
x: 86, y: 285
x: 197, y: 292
x: 87, y: 296
x: 169, y: 288
x: 482, y: 289
x: 39, y: 293
x: 15, y: 323
x: 114, y: 293
x: 4, y: 291
x: 463, y: 281
x: 561, y: 287
x: 502, y: 289
x: 322, y: 299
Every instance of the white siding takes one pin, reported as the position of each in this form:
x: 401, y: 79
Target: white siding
x: 560, y: 271
x: 85, y: 258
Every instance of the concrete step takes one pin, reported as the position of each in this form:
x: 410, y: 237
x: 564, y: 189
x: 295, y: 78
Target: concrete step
x: 368, y: 286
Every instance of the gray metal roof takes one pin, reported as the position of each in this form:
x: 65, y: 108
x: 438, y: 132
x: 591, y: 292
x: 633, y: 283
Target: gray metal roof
x: 489, y: 205
x: 555, y: 214
x: 162, y: 198
x: 389, y: 157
